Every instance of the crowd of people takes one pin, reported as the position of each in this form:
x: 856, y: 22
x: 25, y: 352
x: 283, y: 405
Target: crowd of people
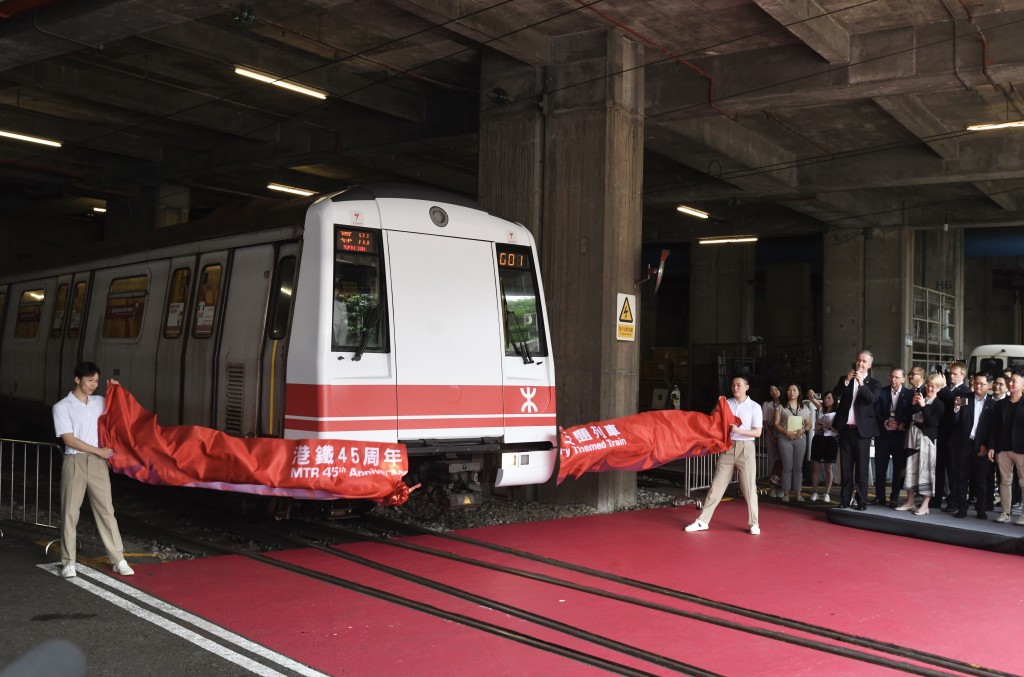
x: 951, y: 445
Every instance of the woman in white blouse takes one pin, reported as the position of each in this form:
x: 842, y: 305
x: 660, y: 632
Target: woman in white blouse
x: 792, y: 423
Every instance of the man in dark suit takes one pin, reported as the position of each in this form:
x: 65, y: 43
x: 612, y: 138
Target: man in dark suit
x: 892, y: 409
x: 970, y: 428
x: 946, y: 477
x: 856, y: 419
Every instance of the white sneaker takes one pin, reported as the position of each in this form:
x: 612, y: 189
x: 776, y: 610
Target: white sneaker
x: 755, y: 530
x: 785, y: 498
x: 814, y: 497
x: 825, y: 498
x: 799, y: 498
x: 1020, y: 520
x: 68, y: 571
x: 696, y: 526
x: 123, y: 568
x: 1003, y: 517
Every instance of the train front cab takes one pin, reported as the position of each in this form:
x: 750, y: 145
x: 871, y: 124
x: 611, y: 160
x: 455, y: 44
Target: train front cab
x: 422, y: 337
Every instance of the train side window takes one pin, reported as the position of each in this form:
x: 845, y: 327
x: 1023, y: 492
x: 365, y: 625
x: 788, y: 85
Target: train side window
x: 177, y: 297
x: 281, y: 301
x: 77, y: 309
x: 30, y: 311
x: 359, y: 302
x: 206, y: 303
x: 59, y: 308
x: 524, y: 323
x: 126, y: 304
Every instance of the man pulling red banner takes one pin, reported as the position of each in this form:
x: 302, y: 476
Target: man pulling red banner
x: 192, y: 456
x: 644, y: 441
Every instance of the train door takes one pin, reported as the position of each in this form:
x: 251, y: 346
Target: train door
x: 275, y: 348
x: 447, y: 337
x: 529, y: 377
x: 173, y: 337
x: 77, y: 308
x: 123, y: 324
x: 53, y: 380
x: 360, y: 395
x: 198, y: 367
x: 25, y: 339
x: 243, y: 320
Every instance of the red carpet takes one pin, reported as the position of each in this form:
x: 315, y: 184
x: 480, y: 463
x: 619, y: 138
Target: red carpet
x: 926, y: 596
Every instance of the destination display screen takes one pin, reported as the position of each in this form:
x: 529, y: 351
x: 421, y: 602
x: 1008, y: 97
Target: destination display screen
x: 516, y: 258
x: 356, y: 240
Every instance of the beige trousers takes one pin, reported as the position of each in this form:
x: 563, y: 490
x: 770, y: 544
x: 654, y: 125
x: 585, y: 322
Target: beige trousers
x: 1006, y: 460
x: 83, y: 474
x: 742, y: 459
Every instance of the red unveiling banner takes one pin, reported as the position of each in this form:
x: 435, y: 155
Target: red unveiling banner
x: 192, y: 456
x: 644, y: 441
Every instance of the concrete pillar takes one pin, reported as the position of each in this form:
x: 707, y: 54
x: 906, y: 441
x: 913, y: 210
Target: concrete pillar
x: 511, y: 140
x: 590, y: 241
x: 867, y: 294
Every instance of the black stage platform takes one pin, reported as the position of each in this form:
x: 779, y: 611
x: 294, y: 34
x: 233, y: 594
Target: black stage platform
x: 938, y: 526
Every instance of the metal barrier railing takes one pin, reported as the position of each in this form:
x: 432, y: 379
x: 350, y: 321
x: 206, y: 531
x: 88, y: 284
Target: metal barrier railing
x: 699, y: 471
x: 30, y: 482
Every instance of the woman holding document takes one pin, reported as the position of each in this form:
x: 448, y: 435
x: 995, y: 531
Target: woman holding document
x: 792, y: 422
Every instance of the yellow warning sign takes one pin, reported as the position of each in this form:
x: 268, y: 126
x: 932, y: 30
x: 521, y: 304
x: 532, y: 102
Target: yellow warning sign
x: 625, y: 317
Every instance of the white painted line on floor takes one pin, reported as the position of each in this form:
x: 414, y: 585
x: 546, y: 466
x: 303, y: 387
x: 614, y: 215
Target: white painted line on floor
x: 181, y: 631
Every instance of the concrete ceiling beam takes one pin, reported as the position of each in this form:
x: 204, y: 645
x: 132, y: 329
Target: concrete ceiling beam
x: 479, y: 24
x: 149, y: 99
x: 907, y: 60
x: 78, y: 137
x: 67, y: 27
x: 228, y: 49
x: 813, y: 25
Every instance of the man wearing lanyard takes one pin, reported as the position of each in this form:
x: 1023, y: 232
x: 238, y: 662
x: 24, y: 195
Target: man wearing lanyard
x: 740, y: 458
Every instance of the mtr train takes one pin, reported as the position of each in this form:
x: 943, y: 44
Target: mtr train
x: 383, y: 313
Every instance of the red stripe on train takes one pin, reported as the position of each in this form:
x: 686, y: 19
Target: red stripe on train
x: 417, y: 424
x: 358, y: 401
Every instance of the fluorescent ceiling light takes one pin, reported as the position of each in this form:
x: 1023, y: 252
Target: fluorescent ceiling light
x: 728, y: 240
x: 278, y: 82
x: 100, y: 210
x: 290, y: 189
x: 692, y: 212
x: 30, y: 139
x: 995, y: 125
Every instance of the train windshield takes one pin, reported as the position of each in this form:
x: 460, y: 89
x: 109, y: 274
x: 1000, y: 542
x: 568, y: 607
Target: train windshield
x: 524, y: 324
x: 359, y: 320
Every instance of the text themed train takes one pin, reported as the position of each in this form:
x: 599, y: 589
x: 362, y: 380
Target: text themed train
x: 385, y: 313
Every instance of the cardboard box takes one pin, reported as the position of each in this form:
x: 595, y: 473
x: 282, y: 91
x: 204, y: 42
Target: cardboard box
x: 669, y: 354
x: 655, y: 370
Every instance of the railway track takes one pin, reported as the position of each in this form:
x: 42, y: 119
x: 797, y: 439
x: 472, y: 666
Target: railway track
x: 321, y: 537
x: 277, y: 537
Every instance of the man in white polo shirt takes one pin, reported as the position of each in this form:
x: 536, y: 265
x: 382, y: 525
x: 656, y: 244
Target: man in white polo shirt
x: 85, y: 471
x: 741, y: 458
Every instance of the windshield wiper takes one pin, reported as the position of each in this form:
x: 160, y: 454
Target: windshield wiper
x: 521, y: 348
x: 372, y: 321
